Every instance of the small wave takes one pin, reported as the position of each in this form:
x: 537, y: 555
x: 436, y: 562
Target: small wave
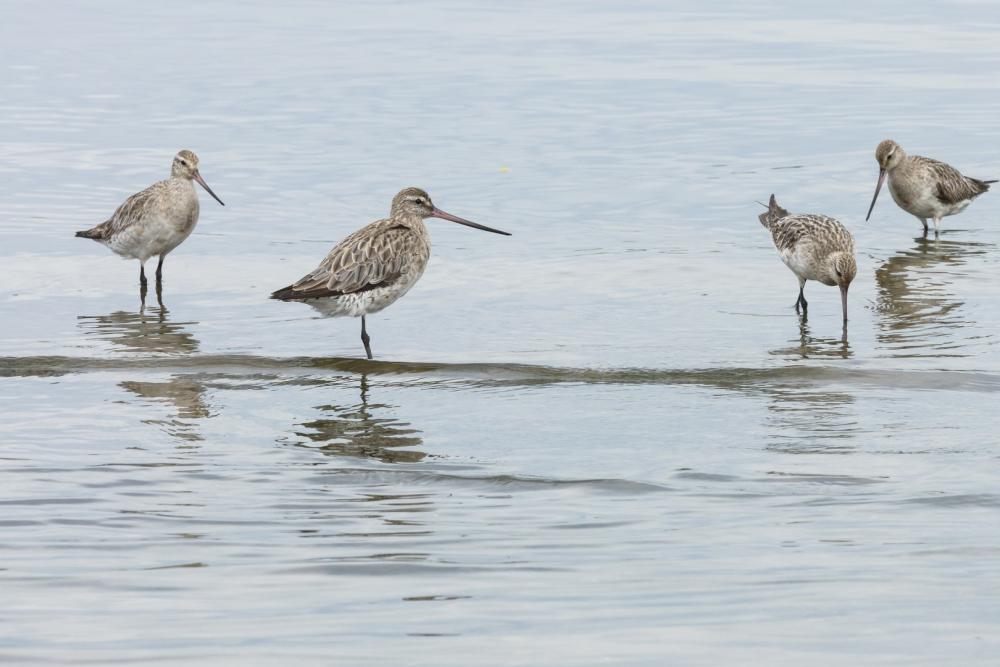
x: 491, y: 482
x: 505, y: 375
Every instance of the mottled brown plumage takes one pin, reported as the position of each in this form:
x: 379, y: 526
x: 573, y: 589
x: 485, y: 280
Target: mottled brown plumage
x: 814, y: 247
x: 377, y: 255
x: 375, y: 265
x: 924, y: 187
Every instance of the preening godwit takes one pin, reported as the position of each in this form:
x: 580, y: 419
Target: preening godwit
x: 814, y: 247
x: 375, y: 265
x: 924, y: 187
x: 156, y: 220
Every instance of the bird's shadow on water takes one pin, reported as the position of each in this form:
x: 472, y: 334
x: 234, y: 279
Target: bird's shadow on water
x: 362, y: 430
x: 918, y: 312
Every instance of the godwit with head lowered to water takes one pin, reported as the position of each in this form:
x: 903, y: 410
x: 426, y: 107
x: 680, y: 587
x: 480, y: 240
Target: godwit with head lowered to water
x: 375, y: 265
x: 814, y: 247
x: 924, y: 187
x: 156, y: 220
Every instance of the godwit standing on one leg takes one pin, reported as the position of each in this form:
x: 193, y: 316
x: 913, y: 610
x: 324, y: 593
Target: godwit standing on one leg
x: 814, y: 247
x: 156, y: 220
x: 375, y: 265
x: 924, y: 187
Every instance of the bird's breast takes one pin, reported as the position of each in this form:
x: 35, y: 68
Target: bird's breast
x: 914, y: 194
x: 182, y: 209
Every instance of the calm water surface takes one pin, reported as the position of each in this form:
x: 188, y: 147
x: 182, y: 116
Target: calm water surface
x: 606, y: 439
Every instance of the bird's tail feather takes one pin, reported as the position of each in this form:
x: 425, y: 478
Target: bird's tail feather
x: 980, y: 185
x: 773, y: 213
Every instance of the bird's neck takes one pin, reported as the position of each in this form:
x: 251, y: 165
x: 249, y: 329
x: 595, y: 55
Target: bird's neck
x: 411, y: 221
x: 903, y: 165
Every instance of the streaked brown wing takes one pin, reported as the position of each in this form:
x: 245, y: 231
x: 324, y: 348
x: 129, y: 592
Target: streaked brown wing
x: 372, y: 257
x: 131, y: 210
x: 951, y: 186
x: 814, y: 228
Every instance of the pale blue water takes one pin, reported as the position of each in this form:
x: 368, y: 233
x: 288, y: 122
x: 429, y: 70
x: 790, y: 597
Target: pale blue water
x: 603, y: 440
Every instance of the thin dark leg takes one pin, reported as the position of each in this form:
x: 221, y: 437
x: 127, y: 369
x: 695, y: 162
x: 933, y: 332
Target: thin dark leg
x: 142, y: 296
x: 159, y: 296
x: 365, y: 339
x: 801, y: 301
x: 142, y: 275
x: 159, y: 270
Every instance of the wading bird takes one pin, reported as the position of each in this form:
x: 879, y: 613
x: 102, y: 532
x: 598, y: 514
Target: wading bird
x: 814, y: 247
x: 156, y: 220
x: 375, y: 265
x: 923, y: 187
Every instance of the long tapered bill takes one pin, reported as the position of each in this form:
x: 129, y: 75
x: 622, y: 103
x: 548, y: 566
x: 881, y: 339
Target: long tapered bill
x: 438, y: 213
x: 843, y: 301
x: 202, y: 183
x: 878, y: 188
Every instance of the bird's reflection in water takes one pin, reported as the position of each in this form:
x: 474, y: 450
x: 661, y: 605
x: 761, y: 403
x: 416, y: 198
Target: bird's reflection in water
x: 806, y: 419
x: 356, y: 430
x: 185, y: 394
x: 919, y: 315
x: 808, y: 346
x: 148, y: 330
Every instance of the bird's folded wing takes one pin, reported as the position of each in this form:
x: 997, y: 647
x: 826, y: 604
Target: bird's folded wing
x: 951, y: 187
x: 365, y: 260
x: 132, y: 209
x: 795, y: 229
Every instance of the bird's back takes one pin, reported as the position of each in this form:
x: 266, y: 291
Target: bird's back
x: 823, y: 232
x: 129, y: 213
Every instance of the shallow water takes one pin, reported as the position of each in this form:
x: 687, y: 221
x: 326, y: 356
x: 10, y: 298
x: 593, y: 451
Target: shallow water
x: 605, y: 439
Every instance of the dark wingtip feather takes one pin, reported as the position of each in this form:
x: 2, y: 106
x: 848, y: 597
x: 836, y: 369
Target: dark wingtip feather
x: 284, y: 294
x: 981, y: 185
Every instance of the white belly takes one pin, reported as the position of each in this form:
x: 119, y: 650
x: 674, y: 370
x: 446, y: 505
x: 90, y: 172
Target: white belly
x: 801, y: 261
x: 148, y: 240
x: 365, y: 303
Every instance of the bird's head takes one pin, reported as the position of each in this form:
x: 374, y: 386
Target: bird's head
x: 186, y: 166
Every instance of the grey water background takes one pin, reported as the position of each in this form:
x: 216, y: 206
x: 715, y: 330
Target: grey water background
x: 606, y: 439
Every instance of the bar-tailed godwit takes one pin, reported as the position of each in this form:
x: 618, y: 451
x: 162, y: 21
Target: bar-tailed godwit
x: 923, y: 187
x: 814, y: 247
x: 156, y: 220
x: 375, y: 265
